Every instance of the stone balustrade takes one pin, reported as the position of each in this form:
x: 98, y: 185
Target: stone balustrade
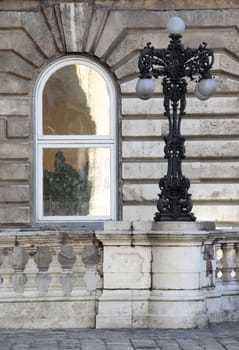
x: 138, y: 274
x: 49, y: 279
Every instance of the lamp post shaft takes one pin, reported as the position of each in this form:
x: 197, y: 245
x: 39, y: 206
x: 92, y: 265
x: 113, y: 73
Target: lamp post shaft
x: 175, y: 64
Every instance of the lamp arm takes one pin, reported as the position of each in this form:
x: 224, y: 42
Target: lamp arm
x: 152, y: 62
x: 198, y: 62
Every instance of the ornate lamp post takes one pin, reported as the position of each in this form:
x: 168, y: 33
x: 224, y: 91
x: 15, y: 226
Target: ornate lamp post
x: 175, y: 64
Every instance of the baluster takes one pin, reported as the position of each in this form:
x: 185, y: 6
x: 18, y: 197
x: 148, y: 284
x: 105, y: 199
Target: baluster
x: 236, y: 247
x: 228, y: 263
x: 43, y: 258
x: 219, y: 265
x: 67, y: 259
x: 19, y: 261
x: 6, y: 271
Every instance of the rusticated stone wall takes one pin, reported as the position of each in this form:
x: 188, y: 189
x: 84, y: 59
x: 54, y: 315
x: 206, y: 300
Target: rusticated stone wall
x: 35, y: 33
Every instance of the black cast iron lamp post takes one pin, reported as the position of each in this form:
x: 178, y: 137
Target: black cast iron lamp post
x: 175, y: 64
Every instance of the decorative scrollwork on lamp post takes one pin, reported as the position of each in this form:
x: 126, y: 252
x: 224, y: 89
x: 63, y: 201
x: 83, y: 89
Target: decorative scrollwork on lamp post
x: 175, y: 64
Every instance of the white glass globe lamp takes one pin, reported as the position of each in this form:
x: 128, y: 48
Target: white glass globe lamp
x: 175, y: 25
x: 199, y: 95
x: 207, y: 87
x: 145, y: 88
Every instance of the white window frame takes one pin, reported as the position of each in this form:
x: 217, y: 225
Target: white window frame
x: 73, y: 141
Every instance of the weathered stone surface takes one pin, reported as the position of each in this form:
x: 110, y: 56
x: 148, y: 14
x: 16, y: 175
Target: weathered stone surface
x: 219, y: 38
x: 215, y: 105
x: 99, y: 18
x: 194, y: 149
x: 14, y: 105
x: 20, y: 42
x: 43, y: 258
x: 2, y: 129
x: 67, y: 257
x: 76, y: 21
x: 51, y: 16
x: 158, y: 127
x: 14, y: 193
x: 41, y: 314
x: 225, y: 82
x: 200, y: 192
x: 14, y: 150
x: 19, y: 258
x: 216, y: 212
x: 126, y: 268
x: 14, y: 171
x: 11, y: 62
x: 18, y: 128
x: 14, y: 215
x: 193, y: 170
x: 12, y: 85
x: 119, y: 20
x: 41, y: 38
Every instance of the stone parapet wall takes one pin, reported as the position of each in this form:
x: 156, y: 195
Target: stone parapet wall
x: 131, y: 274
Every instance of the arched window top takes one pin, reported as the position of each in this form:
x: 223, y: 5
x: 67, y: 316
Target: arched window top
x: 75, y: 96
x: 75, y: 142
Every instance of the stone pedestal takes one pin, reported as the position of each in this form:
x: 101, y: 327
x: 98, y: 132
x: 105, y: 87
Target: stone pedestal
x: 153, y: 275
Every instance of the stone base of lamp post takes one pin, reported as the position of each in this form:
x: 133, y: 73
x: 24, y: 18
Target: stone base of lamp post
x: 154, y: 276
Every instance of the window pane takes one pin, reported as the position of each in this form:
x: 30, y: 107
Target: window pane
x: 76, y: 181
x: 76, y: 102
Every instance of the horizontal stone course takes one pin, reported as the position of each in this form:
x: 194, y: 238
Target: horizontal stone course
x: 149, y: 170
x: 215, y: 105
x: 14, y: 215
x: 194, y: 149
x: 14, y: 150
x: 217, y: 212
x: 14, y: 193
x: 14, y: 171
x: 200, y: 192
x: 190, y: 127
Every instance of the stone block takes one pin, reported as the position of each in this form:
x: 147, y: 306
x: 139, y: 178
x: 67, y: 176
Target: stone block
x: 227, y: 213
x: 215, y: 105
x: 12, y: 85
x: 176, y: 267
x: 127, y: 267
x: 20, y: 42
x: 194, y: 170
x: 2, y: 129
x: 14, y: 150
x: 52, y: 19
x: 18, y: 128
x: 142, y: 149
x: 123, y: 309
x: 142, y: 127
x: 14, y: 171
x: 139, y: 212
x: 14, y: 215
x: 11, y: 62
x: 42, y: 314
x: 14, y: 105
x: 99, y: 17
x: 40, y: 38
x: 14, y: 193
x: 75, y: 19
x: 200, y: 192
x: 194, y: 149
x: 175, y: 309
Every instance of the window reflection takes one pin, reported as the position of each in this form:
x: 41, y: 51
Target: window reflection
x: 76, y: 181
x: 76, y: 102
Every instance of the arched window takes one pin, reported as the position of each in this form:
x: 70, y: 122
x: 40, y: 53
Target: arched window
x: 75, y: 142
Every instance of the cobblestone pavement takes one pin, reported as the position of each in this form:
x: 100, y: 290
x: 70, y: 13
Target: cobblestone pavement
x: 217, y: 337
